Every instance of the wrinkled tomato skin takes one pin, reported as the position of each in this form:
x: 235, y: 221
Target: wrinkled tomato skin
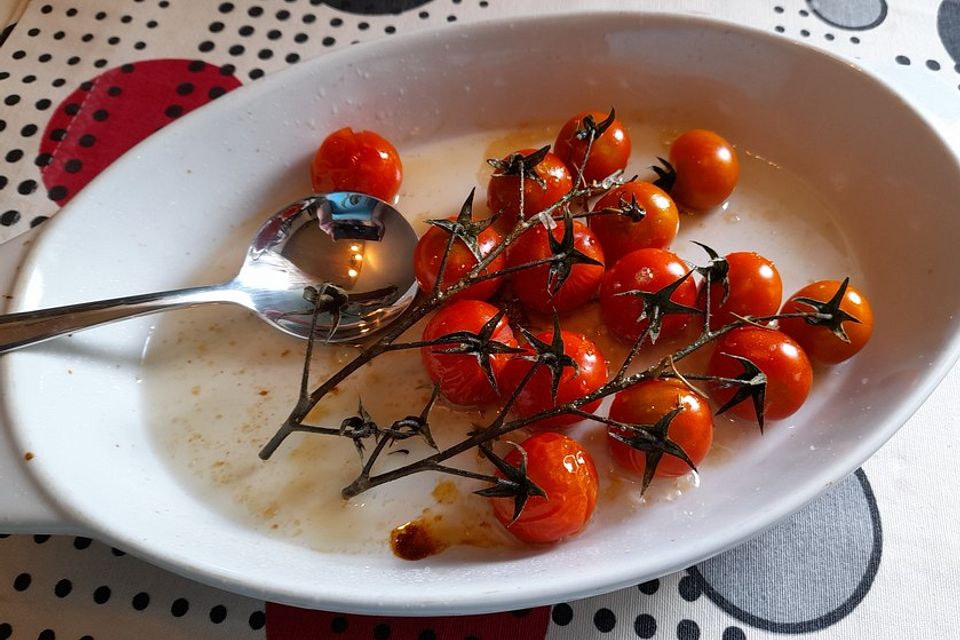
x: 428, y: 255
x: 462, y: 381
x: 756, y: 289
x: 819, y: 342
x: 778, y: 356
x: 536, y: 396
x: 646, y: 403
x: 530, y: 285
x: 646, y: 270
x: 362, y: 161
x: 565, y: 471
x: 503, y: 191
x: 707, y: 169
x: 619, y: 235
x: 609, y: 152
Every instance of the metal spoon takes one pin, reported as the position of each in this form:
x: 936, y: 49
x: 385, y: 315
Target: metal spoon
x: 346, y: 254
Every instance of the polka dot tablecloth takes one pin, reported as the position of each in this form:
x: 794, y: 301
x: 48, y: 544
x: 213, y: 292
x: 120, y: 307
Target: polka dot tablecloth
x: 82, y: 81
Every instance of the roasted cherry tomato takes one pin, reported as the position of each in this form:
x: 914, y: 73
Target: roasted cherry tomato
x: 707, y: 169
x: 818, y: 340
x: 609, y: 152
x: 503, y: 190
x: 649, y: 218
x: 533, y: 286
x: 777, y: 355
x: 646, y: 403
x: 564, y: 470
x: 363, y: 161
x: 537, y: 395
x: 429, y: 254
x: 755, y: 289
x: 461, y: 378
x: 650, y: 271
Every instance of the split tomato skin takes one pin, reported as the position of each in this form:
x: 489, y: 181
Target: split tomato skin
x: 362, y: 161
x: 609, y: 152
x: 819, y: 342
x: 503, y: 190
x: 756, y: 289
x: 537, y: 395
x: 565, y: 471
x: 783, y: 361
x: 647, y: 270
x: 619, y: 235
x: 648, y: 402
x: 428, y: 255
x: 707, y: 169
x: 531, y: 285
x: 461, y: 378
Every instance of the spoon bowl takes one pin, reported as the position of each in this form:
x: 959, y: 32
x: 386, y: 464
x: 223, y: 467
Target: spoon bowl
x: 338, y: 262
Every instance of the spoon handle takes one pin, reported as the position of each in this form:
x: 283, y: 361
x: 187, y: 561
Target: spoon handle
x: 29, y: 327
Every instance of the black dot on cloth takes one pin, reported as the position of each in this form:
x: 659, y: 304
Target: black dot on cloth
x: 292, y: 58
x: 71, y: 109
x: 216, y: 92
x: 218, y: 614
x: 339, y: 624
x: 173, y: 111
x: 33, y: 33
x: 87, y: 37
x: 329, y: 41
x: 649, y: 587
x: 101, y: 15
x: 42, y: 104
x: 13, y: 155
x: 300, y: 38
x: 255, y: 12
x: 9, y: 218
x: 225, y: 7
x: 152, y: 24
x: 645, y: 626
x: 561, y: 614
x: 688, y: 630
x: 195, y: 66
x: 779, y: 29
x: 47, y: 634
x: 265, y: 54
x: 22, y: 582
x: 101, y: 594
x: 236, y: 50
x: 336, y: 22
x: 604, y: 620
x: 100, y: 115
x: 11, y: 100
x: 73, y: 165
x: 27, y: 79
x: 390, y: 29
x: 140, y: 601
x: 904, y: 60
x: 381, y: 632
x: 114, y: 91
x: 245, y: 30
x: 427, y: 634
x: 127, y: 68
x: 3, y: 125
x: 72, y: 60
x: 309, y: 18
x: 216, y: 27
x: 933, y: 65
x: 804, y: 33
x: 45, y: 57
x: 179, y: 607
x: 689, y: 588
x: 283, y: 14
x: 274, y: 34
x: 255, y: 73
x: 451, y: 18
x: 424, y: 15
x: 27, y: 187
x: 99, y: 64
x: 42, y: 160
x: 139, y: 44
x: 28, y: 130
x: 227, y: 70
x: 126, y: 19
x: 733, y: 633
x: 363, y: 26
x: 256, y: 620
x: 58, y: 82
x: 58, y: 192
x: 3, y: 181
x: 185, y: 89
x: 113, y: 40
x: 63, y: 588
x: 5, y: 631
x: 37, y: 221
x: 855, y: 40
x: 87, y: 140
x: 71, y: 12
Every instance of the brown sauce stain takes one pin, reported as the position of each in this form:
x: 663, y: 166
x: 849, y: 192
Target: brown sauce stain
x: 431, y: 534
x: 28, y: 456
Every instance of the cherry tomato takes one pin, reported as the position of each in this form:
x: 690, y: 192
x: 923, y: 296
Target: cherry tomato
x: 503, y: 190
x: 819, y: 341
x: 609, y: 152
x: 537, y: 395
x: 532, y: 286
x: 619, y: 234
x: 777, y: 355
x: 648, y: 270
x: 429, y: 254
x: 755, y: 289
x: 648, y: 402
x: 362, y: 161
x: 461, y: 378
x: 565, y: 471
x: 707, y: 169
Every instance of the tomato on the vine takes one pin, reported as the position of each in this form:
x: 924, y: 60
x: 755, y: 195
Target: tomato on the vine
x: 755, y: 289
x: 648, y: 271
x: 648, y: 402
x: 537, y: 395
x: 609, y: 152
x: 533, y: 286
x: 565, y: 471
x: 818, y: 340
x: 428, y: 255
x: 783, y: 362
x: 362, y: 161
x: 648, y: 218
x: 503, y: 190
x: 462, y: 378
x: 707, y: 169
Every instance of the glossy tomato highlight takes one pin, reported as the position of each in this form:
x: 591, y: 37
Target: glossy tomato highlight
x: 362, y: 161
